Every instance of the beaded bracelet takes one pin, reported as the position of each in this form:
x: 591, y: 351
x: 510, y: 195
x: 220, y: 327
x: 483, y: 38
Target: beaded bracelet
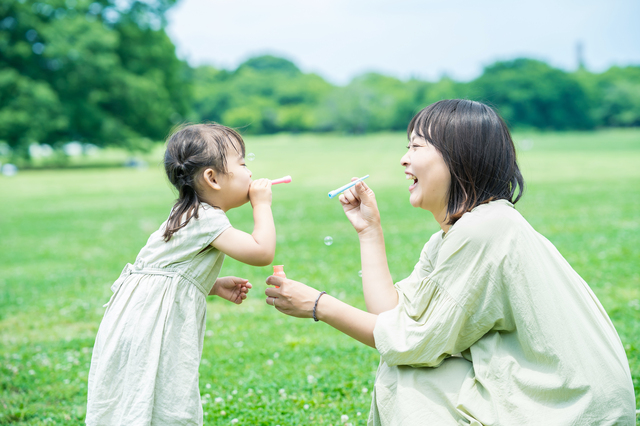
x: 316, y: 306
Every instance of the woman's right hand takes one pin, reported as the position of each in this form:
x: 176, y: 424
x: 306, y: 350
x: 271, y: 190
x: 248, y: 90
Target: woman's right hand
x: 360, y: 206
x: 291, y: 297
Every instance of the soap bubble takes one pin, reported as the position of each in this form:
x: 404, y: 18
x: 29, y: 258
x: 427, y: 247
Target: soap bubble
x: 251, y: 156
x: 360, y: 274
x: 9, y: 169
x: 328, y: 240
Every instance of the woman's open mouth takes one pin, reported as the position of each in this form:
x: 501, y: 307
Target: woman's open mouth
x: 415, y: 181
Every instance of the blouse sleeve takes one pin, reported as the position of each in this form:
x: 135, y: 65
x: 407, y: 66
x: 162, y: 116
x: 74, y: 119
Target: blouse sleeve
x: 213, y: 222
x: 450, y: 307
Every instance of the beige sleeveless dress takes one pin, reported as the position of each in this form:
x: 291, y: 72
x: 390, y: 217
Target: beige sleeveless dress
x: 144, y: 367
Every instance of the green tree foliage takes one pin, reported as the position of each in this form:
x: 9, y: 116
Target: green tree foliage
x: 531, y: 93
x: 263, y: 95
x: 105, y: 72
x: 371, y: 102
x: 101, y: 71
x: 615, y: 95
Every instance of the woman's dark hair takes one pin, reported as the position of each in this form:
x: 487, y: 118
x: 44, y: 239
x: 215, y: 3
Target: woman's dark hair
x: 476, y: 146
x: 190, y: 150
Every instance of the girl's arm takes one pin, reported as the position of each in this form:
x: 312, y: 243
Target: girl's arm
x: 359, y: 204
x: 259, y: 247
x: 297, y: 299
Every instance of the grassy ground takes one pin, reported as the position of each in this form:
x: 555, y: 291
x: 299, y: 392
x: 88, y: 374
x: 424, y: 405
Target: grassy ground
x: 65, y: 236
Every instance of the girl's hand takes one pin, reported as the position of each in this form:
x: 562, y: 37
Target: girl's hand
x: 359, y: 204
x: 291, y: 297
x: 233, y: 289
x: 260, y: 192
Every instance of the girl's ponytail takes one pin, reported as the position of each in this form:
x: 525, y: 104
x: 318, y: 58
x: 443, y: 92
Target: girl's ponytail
x: 187, y: 204
x: 190, y: 150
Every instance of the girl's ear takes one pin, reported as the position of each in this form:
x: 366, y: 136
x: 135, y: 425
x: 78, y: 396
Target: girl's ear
x: 211, y: 179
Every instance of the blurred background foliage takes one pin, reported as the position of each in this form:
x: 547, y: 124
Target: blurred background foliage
x: 105, y: 73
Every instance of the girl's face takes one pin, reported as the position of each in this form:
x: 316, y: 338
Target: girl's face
x: 235, y: 184
x: 430, y: 176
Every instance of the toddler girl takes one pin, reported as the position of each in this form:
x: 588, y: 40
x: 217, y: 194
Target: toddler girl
x: 144, y: 368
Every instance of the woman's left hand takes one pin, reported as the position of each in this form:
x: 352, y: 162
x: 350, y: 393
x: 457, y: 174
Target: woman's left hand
x: 291, y: 297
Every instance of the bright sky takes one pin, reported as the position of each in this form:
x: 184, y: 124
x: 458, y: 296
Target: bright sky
x: 340, y: 39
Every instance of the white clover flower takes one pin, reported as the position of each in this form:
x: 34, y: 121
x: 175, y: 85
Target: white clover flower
x: 269, y: 362
x: 234, y: 421
x: 305, y: 406
x: 310, y: 378
x: 208, y: 386
x: 365, y: 390
x: 344, y: 418
x: 218, y: 400
x: 223, y: 413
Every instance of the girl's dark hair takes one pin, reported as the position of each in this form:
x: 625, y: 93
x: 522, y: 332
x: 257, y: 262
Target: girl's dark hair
x: 190, y: 150
x: 476, y: 146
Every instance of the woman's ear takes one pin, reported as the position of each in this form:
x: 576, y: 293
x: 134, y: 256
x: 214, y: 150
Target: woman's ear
x: 211, y: 179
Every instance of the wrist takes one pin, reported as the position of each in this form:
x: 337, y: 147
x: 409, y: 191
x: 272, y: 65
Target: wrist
x: 372, y: 232
x: 261, y: 203
x: 314, y: 312
x: 214, y: 289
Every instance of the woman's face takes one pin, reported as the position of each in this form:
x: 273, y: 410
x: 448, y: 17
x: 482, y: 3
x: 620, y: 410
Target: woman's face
x: 430, y: 176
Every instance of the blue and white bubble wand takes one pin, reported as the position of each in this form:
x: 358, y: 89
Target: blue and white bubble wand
x: 345, y: 187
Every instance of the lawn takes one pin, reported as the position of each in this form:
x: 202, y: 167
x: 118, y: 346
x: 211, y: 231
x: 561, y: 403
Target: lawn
x: 66, y: 234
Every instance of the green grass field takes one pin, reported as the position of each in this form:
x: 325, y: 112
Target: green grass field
x: 66, y: 234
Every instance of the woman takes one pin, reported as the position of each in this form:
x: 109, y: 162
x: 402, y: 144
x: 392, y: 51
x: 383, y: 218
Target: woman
x: 493, y: 327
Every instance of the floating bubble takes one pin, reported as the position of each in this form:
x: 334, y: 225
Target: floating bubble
x: 360, y: 274
x: 328, y: 240
x: 9, y: 169
x: 251, y: 156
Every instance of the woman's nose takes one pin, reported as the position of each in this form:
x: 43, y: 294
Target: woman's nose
x: 404, y: 161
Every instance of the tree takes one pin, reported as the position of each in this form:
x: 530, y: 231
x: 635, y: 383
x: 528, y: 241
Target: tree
x: 618, y: 94
x: 264, y: 94
x: 370, y: 102
x: 530, y: 93
x: 105, y: 71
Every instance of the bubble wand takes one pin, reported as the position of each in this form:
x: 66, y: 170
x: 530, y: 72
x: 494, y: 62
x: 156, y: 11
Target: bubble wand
x: 345, y: 187
x: 285, y: 179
